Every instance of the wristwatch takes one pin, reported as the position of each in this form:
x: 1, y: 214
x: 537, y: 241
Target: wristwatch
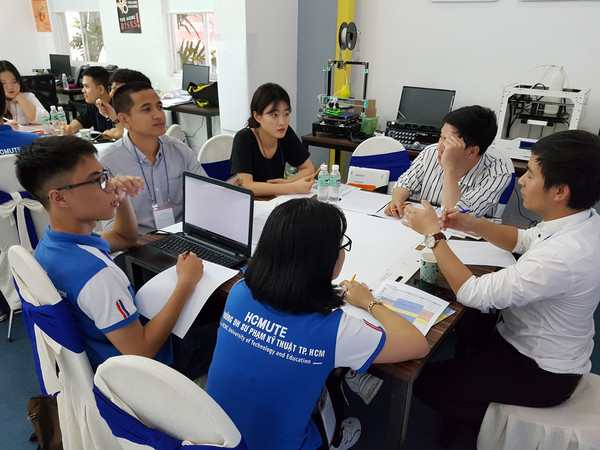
x: 431, y: 240
x: 115, y: 122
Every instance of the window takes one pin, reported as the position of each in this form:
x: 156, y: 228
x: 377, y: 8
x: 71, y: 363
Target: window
x: 194, y: 39
x: 84, y: 31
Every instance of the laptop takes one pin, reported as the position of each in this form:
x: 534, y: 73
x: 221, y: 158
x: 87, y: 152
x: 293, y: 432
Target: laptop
x: 196, y: 74
x: 217, y: 226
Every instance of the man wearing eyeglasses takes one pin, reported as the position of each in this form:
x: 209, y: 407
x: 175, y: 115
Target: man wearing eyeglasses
x: 65, y: 176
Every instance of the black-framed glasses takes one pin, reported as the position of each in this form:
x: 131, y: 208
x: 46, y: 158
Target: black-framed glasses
x: 347, y: 243
x: 102, y: 180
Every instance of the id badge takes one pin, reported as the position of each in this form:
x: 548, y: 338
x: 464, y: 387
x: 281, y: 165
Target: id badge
x: 163, y: 216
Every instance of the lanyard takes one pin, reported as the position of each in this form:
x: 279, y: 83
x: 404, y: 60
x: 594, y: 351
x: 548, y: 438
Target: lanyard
x: 263, y: 153
x: 154, y: 199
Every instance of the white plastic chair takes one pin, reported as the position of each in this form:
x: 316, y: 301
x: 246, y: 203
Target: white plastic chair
x: 62, y: 365
x: 382, y: 152
x: 176, y: 131
x: 215, y: 155
x: 572, y: 425
x: 146, y: 403
x: 15, y: 206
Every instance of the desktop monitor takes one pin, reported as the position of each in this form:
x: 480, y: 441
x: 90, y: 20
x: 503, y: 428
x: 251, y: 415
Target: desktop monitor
x: 196, y: 74
x: 60, y: 64
x: 424, y: 106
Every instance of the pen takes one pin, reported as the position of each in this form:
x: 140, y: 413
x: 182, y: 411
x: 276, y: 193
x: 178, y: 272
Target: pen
x: 185, y: 254
x: 318, y: 170
x: 464, y: 211
x: 403, y: 206
x: 351, y: 281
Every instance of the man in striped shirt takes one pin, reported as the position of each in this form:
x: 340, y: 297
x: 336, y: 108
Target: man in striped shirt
x: 458, y: 174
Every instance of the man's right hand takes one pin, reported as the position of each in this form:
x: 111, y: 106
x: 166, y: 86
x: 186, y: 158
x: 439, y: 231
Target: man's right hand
x: 451, y: 218
x: 394, y: 208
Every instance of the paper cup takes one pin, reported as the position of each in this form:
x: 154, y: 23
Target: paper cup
x: 86, y: 134
x: 429, y: 268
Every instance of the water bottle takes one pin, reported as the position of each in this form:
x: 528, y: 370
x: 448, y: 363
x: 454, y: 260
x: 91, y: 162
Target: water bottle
x: 46, y: 124
x: 334, y: 184
x: 56, y: 128
x: 62, y: 117
x: 65, y: 81
x: 323, y: 184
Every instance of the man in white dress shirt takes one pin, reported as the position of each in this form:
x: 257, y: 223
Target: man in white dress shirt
x: 458, y: 173
x: 544, y: 338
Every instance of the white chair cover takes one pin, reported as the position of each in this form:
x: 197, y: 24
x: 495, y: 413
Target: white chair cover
x: 505, y: 197
x: 15, y: 231
x: 215, y: 155
x: 573, y: 425
x: 164, y: 400
x: 176, y: 131
x: 80, y: 422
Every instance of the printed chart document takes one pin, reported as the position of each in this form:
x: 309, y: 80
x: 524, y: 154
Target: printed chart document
x: 153, y: 295
x: 417, y: 306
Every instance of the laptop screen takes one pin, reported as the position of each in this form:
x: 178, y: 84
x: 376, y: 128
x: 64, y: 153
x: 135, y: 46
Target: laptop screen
x: 425, y: 106
x: 196, y: 74
x: 218, y: 211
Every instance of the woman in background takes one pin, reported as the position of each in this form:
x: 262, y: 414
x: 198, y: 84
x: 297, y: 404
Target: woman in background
x: 282, y: 331
x: 23, y: 106
x: 261, y: 150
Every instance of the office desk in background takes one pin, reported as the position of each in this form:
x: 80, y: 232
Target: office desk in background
x: 340, y: 144
x: 192, y: 108
x: 72, y: 92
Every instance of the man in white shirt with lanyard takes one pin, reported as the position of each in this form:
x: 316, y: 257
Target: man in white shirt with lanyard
x: 458, y: 173
x: 146, y: 152
x: 548, y: 297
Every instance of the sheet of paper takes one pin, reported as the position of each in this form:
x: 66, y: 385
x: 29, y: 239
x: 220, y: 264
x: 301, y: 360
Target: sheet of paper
x: 481, y: 253
x: 168, y: 102
x: 153, y: 295
x: 417, y: 306
x: 364, y: 201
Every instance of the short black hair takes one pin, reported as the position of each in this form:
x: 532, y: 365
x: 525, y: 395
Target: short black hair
x: 2, y: 101
x: 99, y: 74
x: 293, y: 264
x: 475, y: 124
x: 263, y: 97
x: 571, y: 158
x: 122, y: 99
x: 44, y: 159
x: 126, y: 76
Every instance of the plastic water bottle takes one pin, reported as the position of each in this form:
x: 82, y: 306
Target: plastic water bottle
x: 334, y: 184
x: 62, y: 117
x: 323, y: 184
x: 65, y: 81
x: 46, y: 124
x: 56, y: 127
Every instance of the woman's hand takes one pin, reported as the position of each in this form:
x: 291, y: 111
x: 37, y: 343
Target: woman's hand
x: 357, y: 294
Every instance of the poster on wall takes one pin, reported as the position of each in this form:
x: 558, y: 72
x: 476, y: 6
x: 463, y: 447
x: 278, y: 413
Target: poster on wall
x: 129, y: 16
x: 41, y: 16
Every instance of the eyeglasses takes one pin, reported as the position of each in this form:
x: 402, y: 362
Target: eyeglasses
x: 101, y: 180
x: 347, y: 243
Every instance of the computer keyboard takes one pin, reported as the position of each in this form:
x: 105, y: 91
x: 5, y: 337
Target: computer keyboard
x: 175, y: 245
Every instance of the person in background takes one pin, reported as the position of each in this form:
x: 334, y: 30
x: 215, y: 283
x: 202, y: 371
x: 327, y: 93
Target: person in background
x: 544, y: 339
x: 95, y: 87
x: 458, y: 173
x: 63, y: 174
x: 22, y: 106
x: 261, y: 151
x: 148, y: 153
x: 283, y: 332
x: 11, y: 141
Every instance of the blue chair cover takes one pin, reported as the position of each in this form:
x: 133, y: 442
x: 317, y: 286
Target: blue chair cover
x: 397, y: 163
x: 508, y: 191
x: 6, y: 197
x: 218, y: 169
x: 125, y: 426
x: 57, y: 322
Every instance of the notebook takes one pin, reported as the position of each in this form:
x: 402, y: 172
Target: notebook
x: 217, y: 226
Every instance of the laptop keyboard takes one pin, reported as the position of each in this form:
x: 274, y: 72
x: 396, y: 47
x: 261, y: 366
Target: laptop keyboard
x: 175, y: 245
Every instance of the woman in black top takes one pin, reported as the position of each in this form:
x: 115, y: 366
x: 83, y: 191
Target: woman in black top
x: 260, y: 151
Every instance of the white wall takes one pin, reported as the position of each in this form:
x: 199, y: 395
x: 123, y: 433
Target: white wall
x: 477, y: 48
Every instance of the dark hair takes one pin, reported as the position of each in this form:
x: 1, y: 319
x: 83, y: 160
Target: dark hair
x: 122, y: 98
x: 8, y: 66
x: 42, y: 160
x: 571, y: 158
x: 293, y: 264
x: 2, y: 101
x: 263, y: 97
x: 126, y: 76
x: 475, y: 124
x: 99, y: 74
